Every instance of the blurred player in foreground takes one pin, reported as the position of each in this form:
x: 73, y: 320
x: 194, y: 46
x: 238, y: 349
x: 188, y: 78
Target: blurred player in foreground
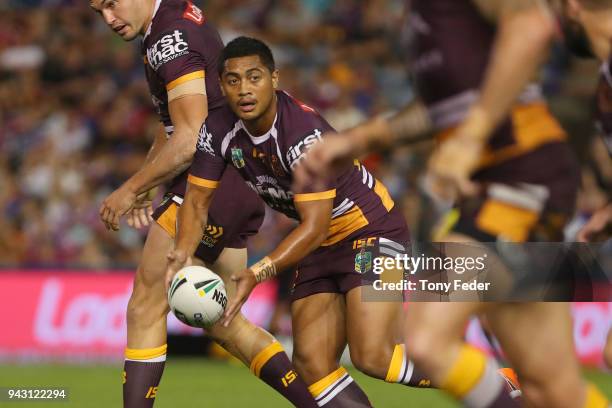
x: 180, y: 50
x: 343, y: 226
x: 592, y: 36
x: 516, y: 179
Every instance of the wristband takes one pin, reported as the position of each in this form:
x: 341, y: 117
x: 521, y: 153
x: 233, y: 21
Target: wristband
x: 264, y: 269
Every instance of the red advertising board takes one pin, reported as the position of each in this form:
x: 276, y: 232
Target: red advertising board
x: 81, y: 314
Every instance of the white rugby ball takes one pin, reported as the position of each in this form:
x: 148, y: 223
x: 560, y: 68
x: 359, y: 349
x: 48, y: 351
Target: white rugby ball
x: 197, y: 296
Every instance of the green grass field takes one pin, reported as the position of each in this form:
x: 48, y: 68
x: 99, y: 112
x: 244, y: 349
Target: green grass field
x: 202, y: 383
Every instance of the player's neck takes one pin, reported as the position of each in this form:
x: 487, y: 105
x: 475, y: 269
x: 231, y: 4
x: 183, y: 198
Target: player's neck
x: 264, y: 123
x: 149, y: 19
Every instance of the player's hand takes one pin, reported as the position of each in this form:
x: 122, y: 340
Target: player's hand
x: 177, y: 260
x: 245, y: 283
x: 454, y: 162
x: 116, y: 205
x: 595, y: 228
x: 324, y: 160
x: 141, y: 214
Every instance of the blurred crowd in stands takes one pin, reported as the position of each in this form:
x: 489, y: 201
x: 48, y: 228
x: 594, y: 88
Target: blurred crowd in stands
x: 76, y: 118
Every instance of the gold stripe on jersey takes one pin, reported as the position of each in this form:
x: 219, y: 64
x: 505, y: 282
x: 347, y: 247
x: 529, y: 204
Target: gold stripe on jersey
x: 532, y: 126
x: 501, y: 219
x: 168, y: 219
x: 193, y: 87
x: 323, y: 195
x: 318, y: 387
x: 182, y: 79
x: 346, y: 224
x: 202, y: 182
x: 145, y: 354
x: 383, y: 193
x: 264, y: 356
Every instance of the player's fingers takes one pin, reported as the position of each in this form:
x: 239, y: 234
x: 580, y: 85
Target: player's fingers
x: 137, y: 219
x: 150, y: 213
x: 130, y: 220
x: 144, y: 217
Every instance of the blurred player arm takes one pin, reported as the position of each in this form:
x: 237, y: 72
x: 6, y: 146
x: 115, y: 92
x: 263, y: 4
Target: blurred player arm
x: 410, y: 125
x: 175, y: 155
x: 525, y: 31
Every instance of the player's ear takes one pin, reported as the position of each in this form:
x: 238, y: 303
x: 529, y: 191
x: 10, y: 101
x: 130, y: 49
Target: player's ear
x: 222, y: 88
x: 275, y: 77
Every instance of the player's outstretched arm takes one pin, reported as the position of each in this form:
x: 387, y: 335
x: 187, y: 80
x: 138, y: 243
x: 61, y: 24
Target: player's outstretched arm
x: 187, y: 114
x: 526, y: 29
x: 315, y: 218
x: 411, y: 124
x: 191, y: 223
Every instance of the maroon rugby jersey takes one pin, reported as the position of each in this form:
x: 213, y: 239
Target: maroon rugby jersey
x: 180, y: 45
x: 266, y: 163
x: 604, y: 105
x: 451, y: 51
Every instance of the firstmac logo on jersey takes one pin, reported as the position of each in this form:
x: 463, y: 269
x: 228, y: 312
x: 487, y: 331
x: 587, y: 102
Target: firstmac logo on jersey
x: 170, y: 45
x: 205, y: 141
x: 297, y: 151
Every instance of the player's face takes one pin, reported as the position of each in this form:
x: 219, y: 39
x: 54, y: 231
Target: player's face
x: 125, y: 17
x: 595, y: 23
x: 248, y: 86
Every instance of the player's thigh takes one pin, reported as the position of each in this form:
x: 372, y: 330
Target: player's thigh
x: 537, y: 338
x: 149, y: 282
x: 319, y: 334
x: 231, y: 260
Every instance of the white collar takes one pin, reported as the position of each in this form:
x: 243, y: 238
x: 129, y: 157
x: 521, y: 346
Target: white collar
x: 260, y: 139
x: 157, y: 4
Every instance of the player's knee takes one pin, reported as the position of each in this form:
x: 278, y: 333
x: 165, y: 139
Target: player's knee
x: 421, y: 345
x: 147, y: 303
x: 310, y: 366
x: 372, y: 360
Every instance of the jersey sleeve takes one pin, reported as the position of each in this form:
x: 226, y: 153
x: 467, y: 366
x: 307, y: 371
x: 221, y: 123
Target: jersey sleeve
x: 179, y: 53
x: 296, y: 153
x: 208, y: 163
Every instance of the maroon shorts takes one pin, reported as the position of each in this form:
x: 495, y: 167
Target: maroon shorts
x: 340, y: 267
x: 235, y: 213
x: 529, y: 198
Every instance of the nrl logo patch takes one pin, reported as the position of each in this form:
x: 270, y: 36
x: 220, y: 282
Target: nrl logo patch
x: 238, y: 158
x: 363, y: 262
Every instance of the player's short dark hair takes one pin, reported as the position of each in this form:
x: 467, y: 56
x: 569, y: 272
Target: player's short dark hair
x: 246, y: 47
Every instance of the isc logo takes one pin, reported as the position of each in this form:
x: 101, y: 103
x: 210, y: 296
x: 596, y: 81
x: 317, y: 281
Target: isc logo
x: 220, y: 298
